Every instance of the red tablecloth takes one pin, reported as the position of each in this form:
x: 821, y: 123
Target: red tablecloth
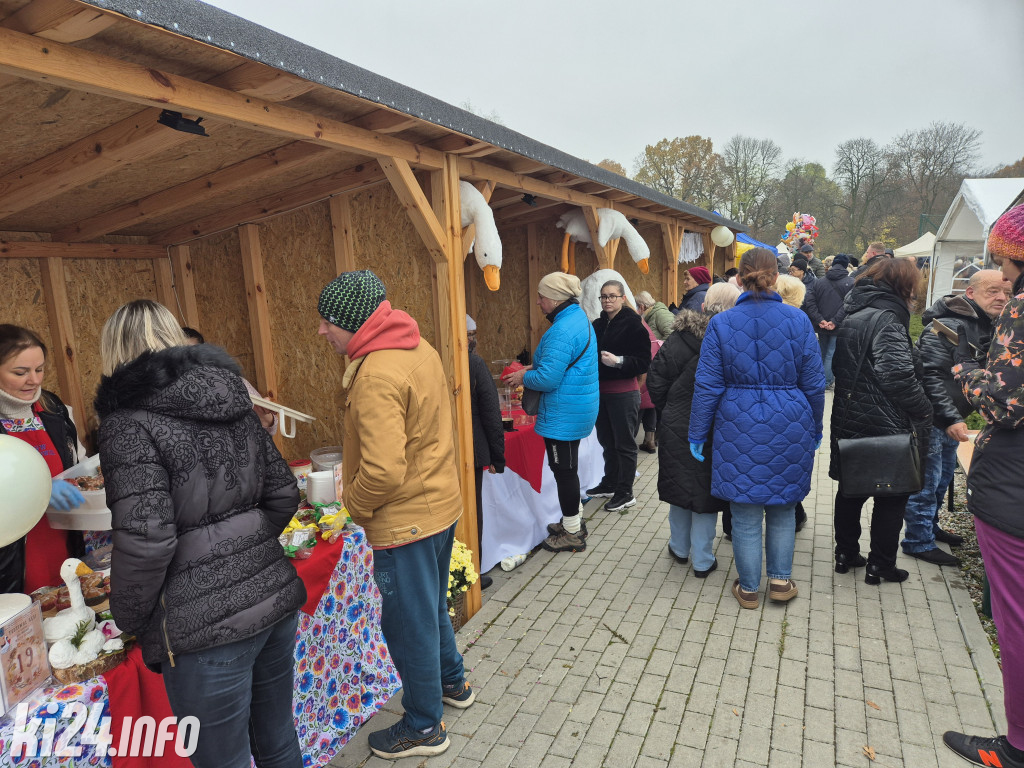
x: 524, y: 454
x: 316, y: 571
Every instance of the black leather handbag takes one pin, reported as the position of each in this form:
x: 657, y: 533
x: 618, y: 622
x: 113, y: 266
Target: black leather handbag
x: 531, y: 397
x: 884, y: 465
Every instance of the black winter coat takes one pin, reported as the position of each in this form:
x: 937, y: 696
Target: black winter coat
x: 963, y: 316
x: 488, y: 434
x: 824, y: 300
x: 694, y: 298
x: 682, y: 480
x: 625, y: 335
x: 887, y: 398
x: 199, y: 495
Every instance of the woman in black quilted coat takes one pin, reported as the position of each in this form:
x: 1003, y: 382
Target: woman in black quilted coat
x: 684, y: 482
x: 886, y: 398
x: 199, y: 495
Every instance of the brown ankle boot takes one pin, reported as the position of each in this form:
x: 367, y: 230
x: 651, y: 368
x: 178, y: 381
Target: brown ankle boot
x: 648, y: 443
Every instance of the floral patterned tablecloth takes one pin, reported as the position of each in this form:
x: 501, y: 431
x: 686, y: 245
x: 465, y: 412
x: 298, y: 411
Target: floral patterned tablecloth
x: 343, y: 671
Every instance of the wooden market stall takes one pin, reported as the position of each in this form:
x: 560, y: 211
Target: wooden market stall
x: 309, y: 166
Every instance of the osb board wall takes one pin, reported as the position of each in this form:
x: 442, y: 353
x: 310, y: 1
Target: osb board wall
x: 386, y: 242
x: 21, y: 295
x: 220, y: 297
x: 503, y: 318
x: 654, y: 280
x: 298, y: 260
x: 95, y: 288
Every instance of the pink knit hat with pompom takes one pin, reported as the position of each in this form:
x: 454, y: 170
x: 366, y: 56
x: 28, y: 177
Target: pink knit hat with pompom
x: 1006, y: 239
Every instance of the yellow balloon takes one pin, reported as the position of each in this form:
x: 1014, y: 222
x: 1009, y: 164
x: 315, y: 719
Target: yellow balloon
x: 789, y: 226
x: 26, y: 481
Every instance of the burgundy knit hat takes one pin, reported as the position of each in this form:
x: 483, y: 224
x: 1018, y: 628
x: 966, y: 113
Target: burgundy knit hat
x: 700, y: 274
x: 1006, y: 239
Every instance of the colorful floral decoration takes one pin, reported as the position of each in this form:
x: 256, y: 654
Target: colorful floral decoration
x: 461, y: 574
x: 802, y: 230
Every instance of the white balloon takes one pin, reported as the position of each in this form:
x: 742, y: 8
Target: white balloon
x: 722, y: 236
x: 26, y: 483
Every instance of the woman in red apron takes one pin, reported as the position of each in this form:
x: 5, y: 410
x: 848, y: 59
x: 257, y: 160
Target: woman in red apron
x: 38, y: 417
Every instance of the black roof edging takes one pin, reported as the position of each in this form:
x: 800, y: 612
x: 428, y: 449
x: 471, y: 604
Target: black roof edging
x: 213, y: 26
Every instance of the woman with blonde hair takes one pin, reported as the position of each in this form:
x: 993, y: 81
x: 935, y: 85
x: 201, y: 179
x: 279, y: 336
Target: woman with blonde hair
x: 760, y: 390
x: 199, y: 495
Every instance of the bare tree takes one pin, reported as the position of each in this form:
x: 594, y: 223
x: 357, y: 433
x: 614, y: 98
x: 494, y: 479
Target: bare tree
x: 684, y: 167
x: 750, y: 169
x: 931, y: 163
x: 863, y: 172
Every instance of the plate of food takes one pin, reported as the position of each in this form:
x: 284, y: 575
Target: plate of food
x: 93, y: 515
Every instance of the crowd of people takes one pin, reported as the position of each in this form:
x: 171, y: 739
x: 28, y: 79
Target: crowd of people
x: 735, y: 381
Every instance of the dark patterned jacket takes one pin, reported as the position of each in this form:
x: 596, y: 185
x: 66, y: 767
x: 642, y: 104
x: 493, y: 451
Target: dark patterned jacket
x: 997, y: 391
x: 199, y: 495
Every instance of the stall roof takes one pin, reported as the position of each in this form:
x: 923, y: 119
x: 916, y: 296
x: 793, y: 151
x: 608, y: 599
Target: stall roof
x: 81, y: 158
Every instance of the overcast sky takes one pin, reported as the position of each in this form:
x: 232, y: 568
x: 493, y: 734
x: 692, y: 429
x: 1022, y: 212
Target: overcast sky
x: 604, y: 78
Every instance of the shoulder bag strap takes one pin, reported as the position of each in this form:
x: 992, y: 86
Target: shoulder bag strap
x: 581, y: 354
x: 872, y: 329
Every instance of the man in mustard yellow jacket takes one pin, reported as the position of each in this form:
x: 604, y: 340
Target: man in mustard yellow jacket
x: 402, y: 486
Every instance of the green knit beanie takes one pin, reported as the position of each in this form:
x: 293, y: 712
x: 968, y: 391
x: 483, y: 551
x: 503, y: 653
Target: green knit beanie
x: 350, y: 298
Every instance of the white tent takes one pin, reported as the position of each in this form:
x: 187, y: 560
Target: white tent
x: 960, y: 244
x: 920, y: 248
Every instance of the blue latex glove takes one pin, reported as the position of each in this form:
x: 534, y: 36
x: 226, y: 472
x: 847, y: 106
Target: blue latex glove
x: 817, y: 445
x: 65, y: 496
x: 697, y: 451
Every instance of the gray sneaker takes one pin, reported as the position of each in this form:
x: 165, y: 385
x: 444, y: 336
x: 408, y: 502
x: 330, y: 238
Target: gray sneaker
x: 564, y: 542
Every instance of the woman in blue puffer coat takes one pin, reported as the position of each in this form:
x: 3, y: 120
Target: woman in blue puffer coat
x: 564, y: 371
x: 761, y: 387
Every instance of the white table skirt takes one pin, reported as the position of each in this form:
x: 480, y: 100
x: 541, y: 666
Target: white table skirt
x: 516, y: 516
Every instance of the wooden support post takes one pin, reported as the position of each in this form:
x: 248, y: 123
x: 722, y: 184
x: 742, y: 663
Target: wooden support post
x: 708, y: 259
x: 259, y: 313
x: 341, y: 230
x: 537, y: 321
x: 471, y: 270
x: 185, y: 285
x: 165, y: 287
x: 603, y: 260
x: 65, y: 351
x: 672, y: 238
x: 409, y: 192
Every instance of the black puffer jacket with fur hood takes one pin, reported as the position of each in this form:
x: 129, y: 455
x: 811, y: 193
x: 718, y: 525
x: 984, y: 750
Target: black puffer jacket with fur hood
x: 682, y: 480
x: 199, y: 495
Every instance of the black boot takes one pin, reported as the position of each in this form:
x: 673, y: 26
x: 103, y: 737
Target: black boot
x: 876, y: 573
x: 845, y: 562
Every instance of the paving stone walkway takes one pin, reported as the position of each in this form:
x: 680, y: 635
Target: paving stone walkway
x: 619, y: 656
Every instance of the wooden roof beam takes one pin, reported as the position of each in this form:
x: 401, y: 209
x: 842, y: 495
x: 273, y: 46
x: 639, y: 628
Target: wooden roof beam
x: 536, y: 215
x: 46, y: 250
x: 423, y: 218
x: 474, y: 169
x: 385, y: 121
x: 28, y: 57
x: 306, y: 193
x: 127, y: 141
x: 197, y: 190
x: 510, y: 213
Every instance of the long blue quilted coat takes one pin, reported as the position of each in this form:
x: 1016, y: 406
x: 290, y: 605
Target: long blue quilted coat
x: 761, y: 384
x: 569, y: 398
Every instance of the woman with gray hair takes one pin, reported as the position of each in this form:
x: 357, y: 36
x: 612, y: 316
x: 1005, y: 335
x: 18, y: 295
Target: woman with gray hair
x: 198, y: 495
x: 684, y: 482
x: 655, y: 314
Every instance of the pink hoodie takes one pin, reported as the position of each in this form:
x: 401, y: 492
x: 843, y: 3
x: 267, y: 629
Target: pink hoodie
x: 386, y: 328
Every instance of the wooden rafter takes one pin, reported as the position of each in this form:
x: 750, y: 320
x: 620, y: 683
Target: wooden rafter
x: 538, y: 215
x: 127, y: 141
x: 308, y: 192
x: 28, y: 57
x: 43, y: 250
x: 198, y: 190
x: 474, y: 169
x: 511, y: 213
x: 385, y: 121
x: 409, y: 192
x: 457, y: 144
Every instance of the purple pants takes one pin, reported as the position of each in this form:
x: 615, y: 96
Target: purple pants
x: 1003, y: 555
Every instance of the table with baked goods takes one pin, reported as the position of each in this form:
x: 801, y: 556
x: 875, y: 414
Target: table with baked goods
x: 519, y: 503
x: 343, y: 671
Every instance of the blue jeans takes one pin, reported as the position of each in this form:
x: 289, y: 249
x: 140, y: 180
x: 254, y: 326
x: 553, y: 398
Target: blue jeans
x: 242, y: 694
x: 691, y: 534
x: 413, y: 583
x: 922, y: 512
x: 827, y: 342
x: 779, y: 541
